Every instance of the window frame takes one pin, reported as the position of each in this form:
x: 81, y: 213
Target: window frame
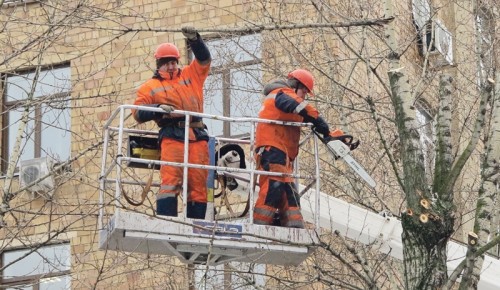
x: 483, y: 25
x: 225, y: 71
x: 427, y: 135
x: 9, y: 105
x: 33, y: 280
x: 9, y: 3
x: 433, y: 36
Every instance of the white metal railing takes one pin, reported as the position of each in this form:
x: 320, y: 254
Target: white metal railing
x: 121, y: 156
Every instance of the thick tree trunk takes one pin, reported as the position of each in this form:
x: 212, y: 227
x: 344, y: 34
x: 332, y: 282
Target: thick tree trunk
x: 424, y: 249
x: 427, y: 226
x: 427, y: 223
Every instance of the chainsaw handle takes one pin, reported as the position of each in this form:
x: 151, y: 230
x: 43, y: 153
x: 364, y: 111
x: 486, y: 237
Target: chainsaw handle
x: 346, y: 139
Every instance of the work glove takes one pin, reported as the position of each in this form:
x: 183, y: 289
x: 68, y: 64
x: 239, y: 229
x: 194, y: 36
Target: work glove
x: 190, y: 33
x: 167, y: 108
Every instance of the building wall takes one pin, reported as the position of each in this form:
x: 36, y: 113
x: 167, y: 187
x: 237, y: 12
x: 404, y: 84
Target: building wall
x: 110, y: 45
x: 108, y: 63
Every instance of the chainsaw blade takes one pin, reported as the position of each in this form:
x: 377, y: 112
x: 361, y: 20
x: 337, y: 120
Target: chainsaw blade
x: 340, y: 150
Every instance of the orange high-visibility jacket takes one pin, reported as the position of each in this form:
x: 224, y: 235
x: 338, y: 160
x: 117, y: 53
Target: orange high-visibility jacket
x: 282, y: 104
x: 184, y: 91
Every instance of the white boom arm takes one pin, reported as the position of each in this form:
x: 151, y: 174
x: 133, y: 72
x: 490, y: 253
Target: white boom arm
x: 384, y: 233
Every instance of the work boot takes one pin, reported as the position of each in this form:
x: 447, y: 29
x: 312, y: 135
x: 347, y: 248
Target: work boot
x: 293, y: 218
x: 277, y: 219
x: 167, y: 206
x: 196, y: 210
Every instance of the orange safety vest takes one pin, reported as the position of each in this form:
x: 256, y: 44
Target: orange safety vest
x: 285, y: 138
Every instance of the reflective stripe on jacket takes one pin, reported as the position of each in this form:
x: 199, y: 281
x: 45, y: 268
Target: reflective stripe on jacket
x: 283, y: 104
x: 184, y: 91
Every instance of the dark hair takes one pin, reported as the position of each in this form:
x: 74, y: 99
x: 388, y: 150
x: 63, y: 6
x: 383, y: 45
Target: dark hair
x: 293, y: 83
x: 164, y: 60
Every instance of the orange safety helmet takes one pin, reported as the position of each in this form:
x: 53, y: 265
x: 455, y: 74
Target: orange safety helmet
x: 167, y: 50
x: 303, y: 76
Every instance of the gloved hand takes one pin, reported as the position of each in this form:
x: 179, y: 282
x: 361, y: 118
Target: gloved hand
x: 167, y: 108
x: 190, y: 32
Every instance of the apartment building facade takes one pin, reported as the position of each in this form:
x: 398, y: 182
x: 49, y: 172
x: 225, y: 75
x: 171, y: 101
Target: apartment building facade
x: 68, y: 65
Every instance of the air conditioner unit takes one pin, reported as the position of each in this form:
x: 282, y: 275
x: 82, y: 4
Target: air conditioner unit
x: 443, y: 41
x: 34, y: 169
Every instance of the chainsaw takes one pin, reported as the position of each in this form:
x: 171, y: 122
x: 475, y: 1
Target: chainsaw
x: 340, y: 147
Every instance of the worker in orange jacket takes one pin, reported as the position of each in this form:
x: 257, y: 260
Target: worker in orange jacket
x: 173, y: 88
x: 277, y: 147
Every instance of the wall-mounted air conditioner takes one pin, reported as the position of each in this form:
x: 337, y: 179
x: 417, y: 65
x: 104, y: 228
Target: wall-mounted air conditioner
x: 32, y: 170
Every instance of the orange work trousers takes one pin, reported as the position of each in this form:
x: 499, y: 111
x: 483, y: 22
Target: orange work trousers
x: 171, y: 176
x: 278, y: 196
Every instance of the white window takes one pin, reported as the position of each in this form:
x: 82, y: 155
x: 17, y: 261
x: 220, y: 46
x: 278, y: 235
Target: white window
x: 433, y: 36
x: 484, y: 23
x: 12, y: 1
x: 47, y: 100
x: 234, y: 86
x: 17, y: 2
x: 44, y: 268
x: 426, y: 130
x: 215, y: 277
x: 421, y: 11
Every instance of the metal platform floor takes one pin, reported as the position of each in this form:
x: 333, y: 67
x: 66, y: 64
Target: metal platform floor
x: 207, y: 242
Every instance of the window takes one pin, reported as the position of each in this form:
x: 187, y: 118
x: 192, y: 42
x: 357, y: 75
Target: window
x: 421, y: 11
x: 426, y: 130
x: 433, y: 36
x: 46, y: 98
x: 44, y: 268
x: 234, y: 87
x: 485, y: 27
x: 249, y: 276
x: 14, y: 2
